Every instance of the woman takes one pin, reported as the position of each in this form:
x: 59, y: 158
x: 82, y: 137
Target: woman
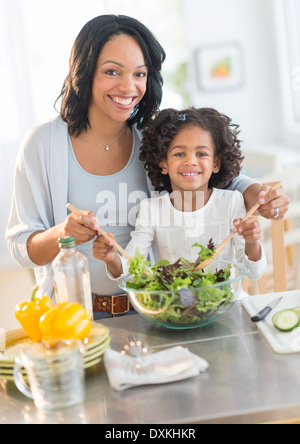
x: 89, y: 155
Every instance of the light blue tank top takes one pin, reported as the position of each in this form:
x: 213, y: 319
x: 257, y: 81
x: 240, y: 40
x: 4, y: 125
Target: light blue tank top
x: 115, y: 201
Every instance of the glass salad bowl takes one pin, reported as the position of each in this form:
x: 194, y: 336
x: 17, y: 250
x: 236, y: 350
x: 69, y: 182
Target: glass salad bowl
x: 214, y: 291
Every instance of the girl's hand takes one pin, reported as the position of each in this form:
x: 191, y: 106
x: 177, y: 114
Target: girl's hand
x: 274, y: 204
x: 83, y: 227
x: 250, y: 229
x: 104, y: 250
x: 251, y: 232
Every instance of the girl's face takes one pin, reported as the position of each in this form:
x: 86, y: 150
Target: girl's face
x: 191, y: 160
x: 120, y: 79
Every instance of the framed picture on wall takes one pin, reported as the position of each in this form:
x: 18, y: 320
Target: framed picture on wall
x: 219, y: 67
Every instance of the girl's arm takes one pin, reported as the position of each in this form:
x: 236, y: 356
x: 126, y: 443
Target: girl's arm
x: 104, y: 250
x: 246, y: 242
x: 250, y: 230
x: 141, y: 238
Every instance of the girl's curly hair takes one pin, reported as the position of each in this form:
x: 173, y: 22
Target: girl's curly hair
x: 169, y: 122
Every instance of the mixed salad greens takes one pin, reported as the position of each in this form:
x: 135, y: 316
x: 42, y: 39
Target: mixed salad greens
x: 179, y: 294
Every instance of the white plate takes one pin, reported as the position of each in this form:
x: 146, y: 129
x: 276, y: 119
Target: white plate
x: 98, y: 343
x: 280, y: 342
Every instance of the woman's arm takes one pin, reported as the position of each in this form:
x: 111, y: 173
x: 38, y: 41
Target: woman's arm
x: 43, y: 246
x: 252, y: 195
x: 254, y: 192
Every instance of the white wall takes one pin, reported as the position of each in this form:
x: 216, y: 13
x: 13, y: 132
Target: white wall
x: 34, y: 57
x: 256, y: 106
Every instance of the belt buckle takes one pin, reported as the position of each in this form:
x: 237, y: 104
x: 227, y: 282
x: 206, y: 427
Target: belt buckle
x: 113, y: 304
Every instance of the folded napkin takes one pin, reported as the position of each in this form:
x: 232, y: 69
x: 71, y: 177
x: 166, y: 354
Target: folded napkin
x: 174, y: 364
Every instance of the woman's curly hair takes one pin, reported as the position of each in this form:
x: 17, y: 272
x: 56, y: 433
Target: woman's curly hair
x: 168, y: 123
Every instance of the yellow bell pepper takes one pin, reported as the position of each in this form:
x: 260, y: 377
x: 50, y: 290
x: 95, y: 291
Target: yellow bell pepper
x: 29, y: 314
x: 65, y: 321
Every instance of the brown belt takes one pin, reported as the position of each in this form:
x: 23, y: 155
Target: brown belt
x: 113, y: 304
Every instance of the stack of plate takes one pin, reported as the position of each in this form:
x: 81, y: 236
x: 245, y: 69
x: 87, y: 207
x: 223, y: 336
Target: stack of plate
x: 96, y: 344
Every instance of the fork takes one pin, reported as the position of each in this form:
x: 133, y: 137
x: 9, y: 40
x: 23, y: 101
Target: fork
x: 136, y: 348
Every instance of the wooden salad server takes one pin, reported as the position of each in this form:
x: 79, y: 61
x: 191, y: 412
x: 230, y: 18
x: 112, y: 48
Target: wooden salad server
x: 103, y: 233
x: 120, y: 249
x: 221, y: 247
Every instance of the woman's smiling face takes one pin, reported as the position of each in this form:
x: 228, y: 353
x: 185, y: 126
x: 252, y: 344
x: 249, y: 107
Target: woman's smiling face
x: 120, y: 79
x: 191, y: 160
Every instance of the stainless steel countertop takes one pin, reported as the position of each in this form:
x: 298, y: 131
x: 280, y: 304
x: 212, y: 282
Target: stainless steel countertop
x: 246, y: 381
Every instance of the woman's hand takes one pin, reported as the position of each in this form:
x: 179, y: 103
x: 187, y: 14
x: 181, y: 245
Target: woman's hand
x: 83, y: 227
x: 43, y: 246
x: 275, y: 204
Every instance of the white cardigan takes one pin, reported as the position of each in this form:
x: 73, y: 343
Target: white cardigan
x: 40, y: 193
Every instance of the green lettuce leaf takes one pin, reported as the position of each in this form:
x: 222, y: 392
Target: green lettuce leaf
x: 168, y: 279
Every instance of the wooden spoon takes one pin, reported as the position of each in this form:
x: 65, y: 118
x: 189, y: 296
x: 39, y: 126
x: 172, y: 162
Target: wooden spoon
x: 101, y: 231
x: 221, y: 247
x: 121, y: 250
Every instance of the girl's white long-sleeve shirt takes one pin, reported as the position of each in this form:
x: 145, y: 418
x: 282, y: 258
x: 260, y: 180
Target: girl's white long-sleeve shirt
x: 175, y: 232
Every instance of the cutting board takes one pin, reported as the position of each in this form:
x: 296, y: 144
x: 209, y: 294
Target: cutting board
x: 280, y: 342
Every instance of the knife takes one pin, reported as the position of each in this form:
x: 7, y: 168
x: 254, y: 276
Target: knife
x: 265, y: 311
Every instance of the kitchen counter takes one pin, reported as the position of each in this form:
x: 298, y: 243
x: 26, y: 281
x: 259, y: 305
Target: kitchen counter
x: 246, y: 381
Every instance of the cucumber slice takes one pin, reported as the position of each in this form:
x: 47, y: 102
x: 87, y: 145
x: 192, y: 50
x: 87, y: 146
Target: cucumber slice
x: 275, y: 317
x: 297, y: 310
x: 286, y: 320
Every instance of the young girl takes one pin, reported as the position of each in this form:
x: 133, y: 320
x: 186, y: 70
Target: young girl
x: 189, y: 155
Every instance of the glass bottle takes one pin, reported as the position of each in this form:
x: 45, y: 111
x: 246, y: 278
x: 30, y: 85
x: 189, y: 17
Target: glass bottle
x: 71, y: 277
